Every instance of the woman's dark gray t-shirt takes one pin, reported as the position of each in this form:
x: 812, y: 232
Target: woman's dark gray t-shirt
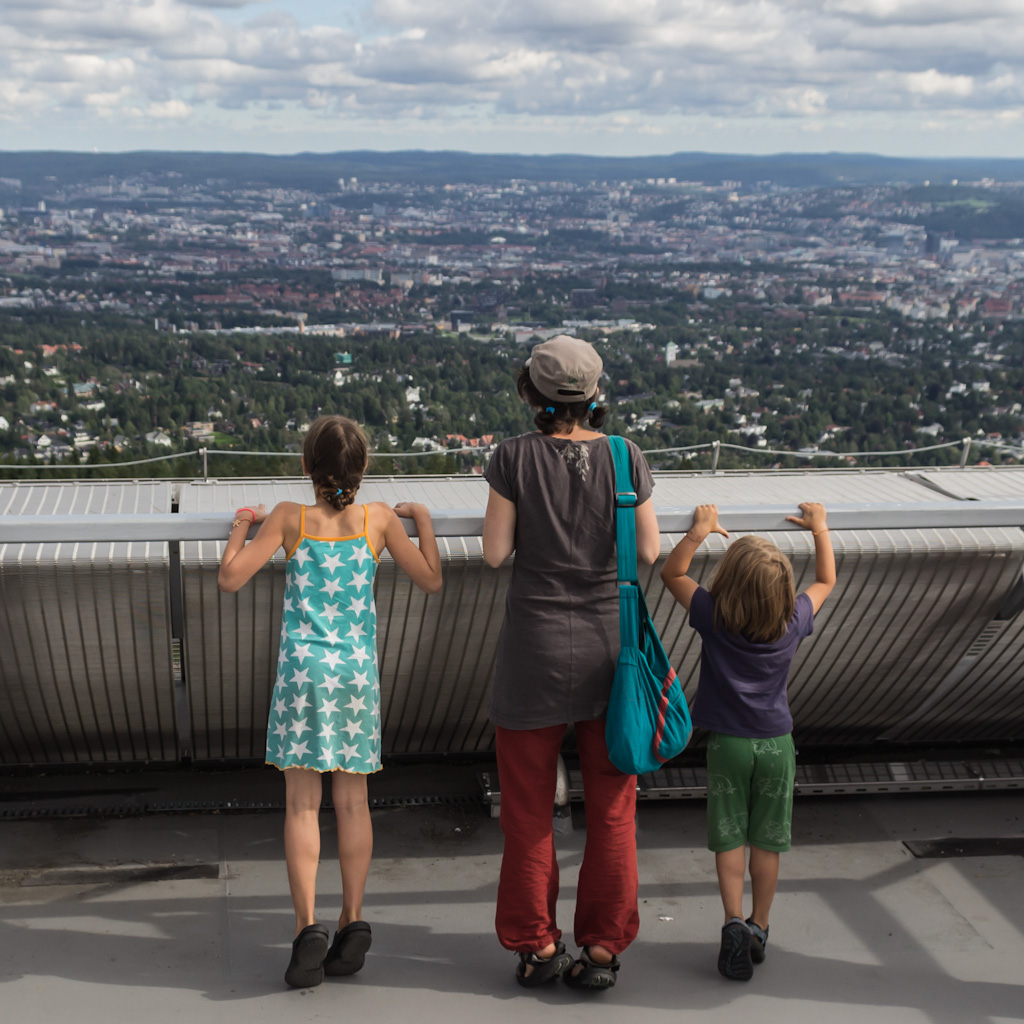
x: 560, y: 639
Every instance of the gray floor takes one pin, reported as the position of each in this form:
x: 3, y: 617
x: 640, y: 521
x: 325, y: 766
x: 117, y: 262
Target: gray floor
x: 860, y: 930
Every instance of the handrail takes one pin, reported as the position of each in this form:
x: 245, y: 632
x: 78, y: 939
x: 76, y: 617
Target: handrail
x: 715, y: 448
x: 203, y: 526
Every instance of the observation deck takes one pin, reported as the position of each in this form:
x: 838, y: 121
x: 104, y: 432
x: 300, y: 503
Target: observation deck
x: 133, y: 695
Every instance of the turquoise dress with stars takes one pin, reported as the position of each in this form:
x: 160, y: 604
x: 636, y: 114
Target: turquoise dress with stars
x: 325, y: 710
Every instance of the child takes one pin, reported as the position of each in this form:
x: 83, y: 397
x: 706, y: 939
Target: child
x: 325, y: 715
x: 750, y: 625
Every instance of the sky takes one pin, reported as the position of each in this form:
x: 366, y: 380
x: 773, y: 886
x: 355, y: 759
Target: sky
x: 604, y: 77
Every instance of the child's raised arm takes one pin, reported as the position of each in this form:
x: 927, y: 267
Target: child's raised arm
x: 673, y: 572
x: 813, y: 519
x: 421, y: 564
x: 241, y: 561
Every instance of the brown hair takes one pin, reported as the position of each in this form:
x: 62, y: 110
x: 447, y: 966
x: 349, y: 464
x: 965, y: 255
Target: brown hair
x: 335, y: 453
x: 753, y: 590
x: 565, y: 415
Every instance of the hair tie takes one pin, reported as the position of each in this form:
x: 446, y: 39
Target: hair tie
x: 550, y: 409
x: 592, y: 407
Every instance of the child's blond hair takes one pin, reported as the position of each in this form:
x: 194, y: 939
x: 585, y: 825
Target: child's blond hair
x: 753, y: 590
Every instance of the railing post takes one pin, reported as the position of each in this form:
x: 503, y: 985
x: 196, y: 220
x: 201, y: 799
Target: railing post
x: 206, y: 474
x: 964, y: 453
x: 716, y: 447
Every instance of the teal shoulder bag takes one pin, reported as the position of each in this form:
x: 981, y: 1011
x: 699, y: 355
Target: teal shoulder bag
x: 648, y: 721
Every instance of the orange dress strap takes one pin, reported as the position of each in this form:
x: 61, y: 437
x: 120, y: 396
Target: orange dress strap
x: 302, y: 532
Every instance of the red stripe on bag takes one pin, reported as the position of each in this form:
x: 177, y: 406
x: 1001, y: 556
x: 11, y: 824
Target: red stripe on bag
x: 659, y: 732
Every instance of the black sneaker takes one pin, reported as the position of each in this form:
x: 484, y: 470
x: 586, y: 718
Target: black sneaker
x: 348, y: 950
x: 306, y: 968
x: 758, y: 941
x: 734, y: 956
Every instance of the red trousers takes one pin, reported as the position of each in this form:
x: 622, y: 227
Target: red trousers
x: 606, y: 894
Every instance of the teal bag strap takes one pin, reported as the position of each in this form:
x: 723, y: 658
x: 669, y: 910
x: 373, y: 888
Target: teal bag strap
x: 625, y: 520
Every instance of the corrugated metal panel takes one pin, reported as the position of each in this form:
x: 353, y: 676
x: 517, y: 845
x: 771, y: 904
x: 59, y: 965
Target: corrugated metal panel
x: 87, y: 670
x: 773, y: 488
x: 976, y: 483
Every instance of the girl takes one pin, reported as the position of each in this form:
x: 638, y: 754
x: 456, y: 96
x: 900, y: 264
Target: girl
x: 750, y: 624
x: 552, y: 501
x: 325, y: 715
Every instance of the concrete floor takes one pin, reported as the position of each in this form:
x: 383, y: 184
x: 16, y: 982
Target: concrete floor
x: 860, y: 929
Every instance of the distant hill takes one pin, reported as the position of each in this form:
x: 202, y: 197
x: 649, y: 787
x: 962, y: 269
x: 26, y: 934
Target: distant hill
x: 42, y: 171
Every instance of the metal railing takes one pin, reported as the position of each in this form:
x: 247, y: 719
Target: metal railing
x: 714, y: 447
x: 200, y: 526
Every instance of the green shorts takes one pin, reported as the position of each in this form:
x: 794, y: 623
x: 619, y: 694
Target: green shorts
x: 750, y: 792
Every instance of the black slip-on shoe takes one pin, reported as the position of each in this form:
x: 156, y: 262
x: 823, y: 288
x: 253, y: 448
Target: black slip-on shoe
x: 306, y: 968
x: 734, y: 955
x: 348, y: 950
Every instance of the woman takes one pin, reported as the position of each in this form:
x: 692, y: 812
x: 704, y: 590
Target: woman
x: 552, y: 501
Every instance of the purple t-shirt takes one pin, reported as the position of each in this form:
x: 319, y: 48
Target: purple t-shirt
x: 742, y: 688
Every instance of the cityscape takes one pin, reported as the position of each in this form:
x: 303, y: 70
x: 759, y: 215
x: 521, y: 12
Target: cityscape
x: 160, y: 311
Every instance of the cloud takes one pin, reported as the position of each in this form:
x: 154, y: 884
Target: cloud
x: 645, y: 60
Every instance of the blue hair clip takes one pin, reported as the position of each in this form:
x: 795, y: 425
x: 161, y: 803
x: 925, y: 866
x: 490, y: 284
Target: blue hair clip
x: 550, y: 409
x: 592, y: 407
x: 338, y: 492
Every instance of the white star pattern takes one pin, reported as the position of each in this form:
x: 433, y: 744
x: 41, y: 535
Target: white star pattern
x: 331, y: 683
x: 331, y: 658
x: 327, y: 661
x: 360, y: 555
x: 332, y: 563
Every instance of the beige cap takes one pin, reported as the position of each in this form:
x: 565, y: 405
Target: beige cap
x: 565, y: 369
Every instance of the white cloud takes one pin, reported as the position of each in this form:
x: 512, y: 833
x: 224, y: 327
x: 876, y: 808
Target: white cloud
x: 458, y: 62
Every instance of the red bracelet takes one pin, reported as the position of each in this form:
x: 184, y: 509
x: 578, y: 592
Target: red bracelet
x: 246, y: 509
x: 814, y: 533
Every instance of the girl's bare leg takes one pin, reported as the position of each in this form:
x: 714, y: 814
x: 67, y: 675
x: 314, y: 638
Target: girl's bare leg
x: 303, y: 790
x: 355, y: 841
x: 731, y: 867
